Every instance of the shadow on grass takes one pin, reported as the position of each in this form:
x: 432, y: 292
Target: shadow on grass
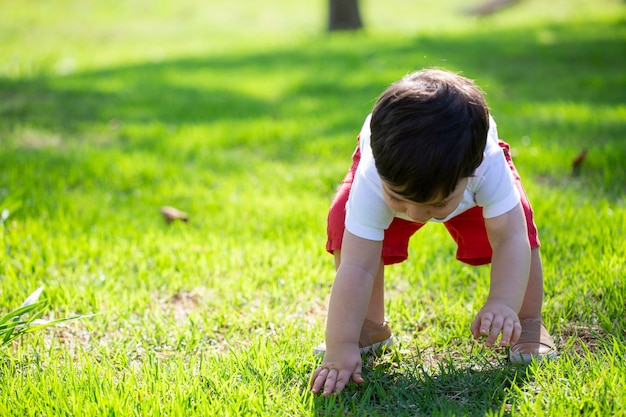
x: 331, y: 83
x: 571, y: 63
x: 450, y: 388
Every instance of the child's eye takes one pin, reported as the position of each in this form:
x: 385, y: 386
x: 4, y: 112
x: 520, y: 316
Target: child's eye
x: 439, y: 205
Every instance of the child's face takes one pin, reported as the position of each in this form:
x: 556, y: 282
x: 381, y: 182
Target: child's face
x: 438, y: 208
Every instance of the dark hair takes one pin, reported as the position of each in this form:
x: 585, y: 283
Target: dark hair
x: 429, y: 131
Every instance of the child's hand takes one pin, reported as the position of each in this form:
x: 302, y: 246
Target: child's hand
x: 494, y: 318
x: 335, y: 371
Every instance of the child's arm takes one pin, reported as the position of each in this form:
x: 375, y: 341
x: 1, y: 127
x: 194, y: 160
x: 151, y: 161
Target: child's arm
x: 349, y: 299
x: 510, y: 269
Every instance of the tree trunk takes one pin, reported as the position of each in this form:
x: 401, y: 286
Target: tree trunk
x: 344, y: 15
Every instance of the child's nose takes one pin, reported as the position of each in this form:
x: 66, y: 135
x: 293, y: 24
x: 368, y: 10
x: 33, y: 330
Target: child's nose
x: 419, y: 214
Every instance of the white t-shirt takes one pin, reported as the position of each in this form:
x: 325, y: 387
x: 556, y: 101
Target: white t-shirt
x: 492, y: 187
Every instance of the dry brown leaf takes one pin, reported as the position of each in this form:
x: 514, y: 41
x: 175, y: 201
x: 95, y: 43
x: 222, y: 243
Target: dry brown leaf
x: 171, y: 214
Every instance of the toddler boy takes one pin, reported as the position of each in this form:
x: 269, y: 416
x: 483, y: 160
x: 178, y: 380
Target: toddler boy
x: 430, y: 152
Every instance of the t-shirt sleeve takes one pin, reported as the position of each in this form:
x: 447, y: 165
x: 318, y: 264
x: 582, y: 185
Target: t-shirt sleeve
x: 497, y: 193
x: 367, y: 214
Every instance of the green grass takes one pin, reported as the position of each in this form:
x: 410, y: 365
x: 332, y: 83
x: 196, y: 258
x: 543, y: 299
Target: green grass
x: 245, y: 116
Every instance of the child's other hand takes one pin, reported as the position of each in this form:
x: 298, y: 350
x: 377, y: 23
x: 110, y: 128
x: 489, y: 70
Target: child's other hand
x: 494, y: 318
x: 338, y: 367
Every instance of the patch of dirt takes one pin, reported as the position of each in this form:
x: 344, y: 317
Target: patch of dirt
x: 182, y: 303
x: 580, y: 338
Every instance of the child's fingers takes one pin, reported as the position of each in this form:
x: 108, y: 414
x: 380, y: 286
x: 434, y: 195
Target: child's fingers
x: 315, y: 375
x: 342, y: 380
x: 508, y: 329
x: 325, y: 378
x: 318, y: 379
x: 331, y: 381
x: 496, y: 328
x: 356, y: 376
x: 481, y: 324
x: 475, y: 327
x: 484, y: 323
x: 517, y: 332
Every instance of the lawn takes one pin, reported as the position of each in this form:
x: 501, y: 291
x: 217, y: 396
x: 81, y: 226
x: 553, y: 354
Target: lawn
x: 244, y: 116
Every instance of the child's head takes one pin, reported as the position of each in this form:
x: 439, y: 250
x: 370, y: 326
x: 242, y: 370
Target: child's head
x: 428, y: 131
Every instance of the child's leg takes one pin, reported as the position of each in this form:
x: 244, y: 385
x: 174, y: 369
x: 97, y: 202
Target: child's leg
x: 533, y: 299
x: 376, y: 308
x: 535, y: 341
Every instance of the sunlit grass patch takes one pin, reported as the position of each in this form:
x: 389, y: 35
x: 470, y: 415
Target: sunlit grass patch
x: 246, y: 120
